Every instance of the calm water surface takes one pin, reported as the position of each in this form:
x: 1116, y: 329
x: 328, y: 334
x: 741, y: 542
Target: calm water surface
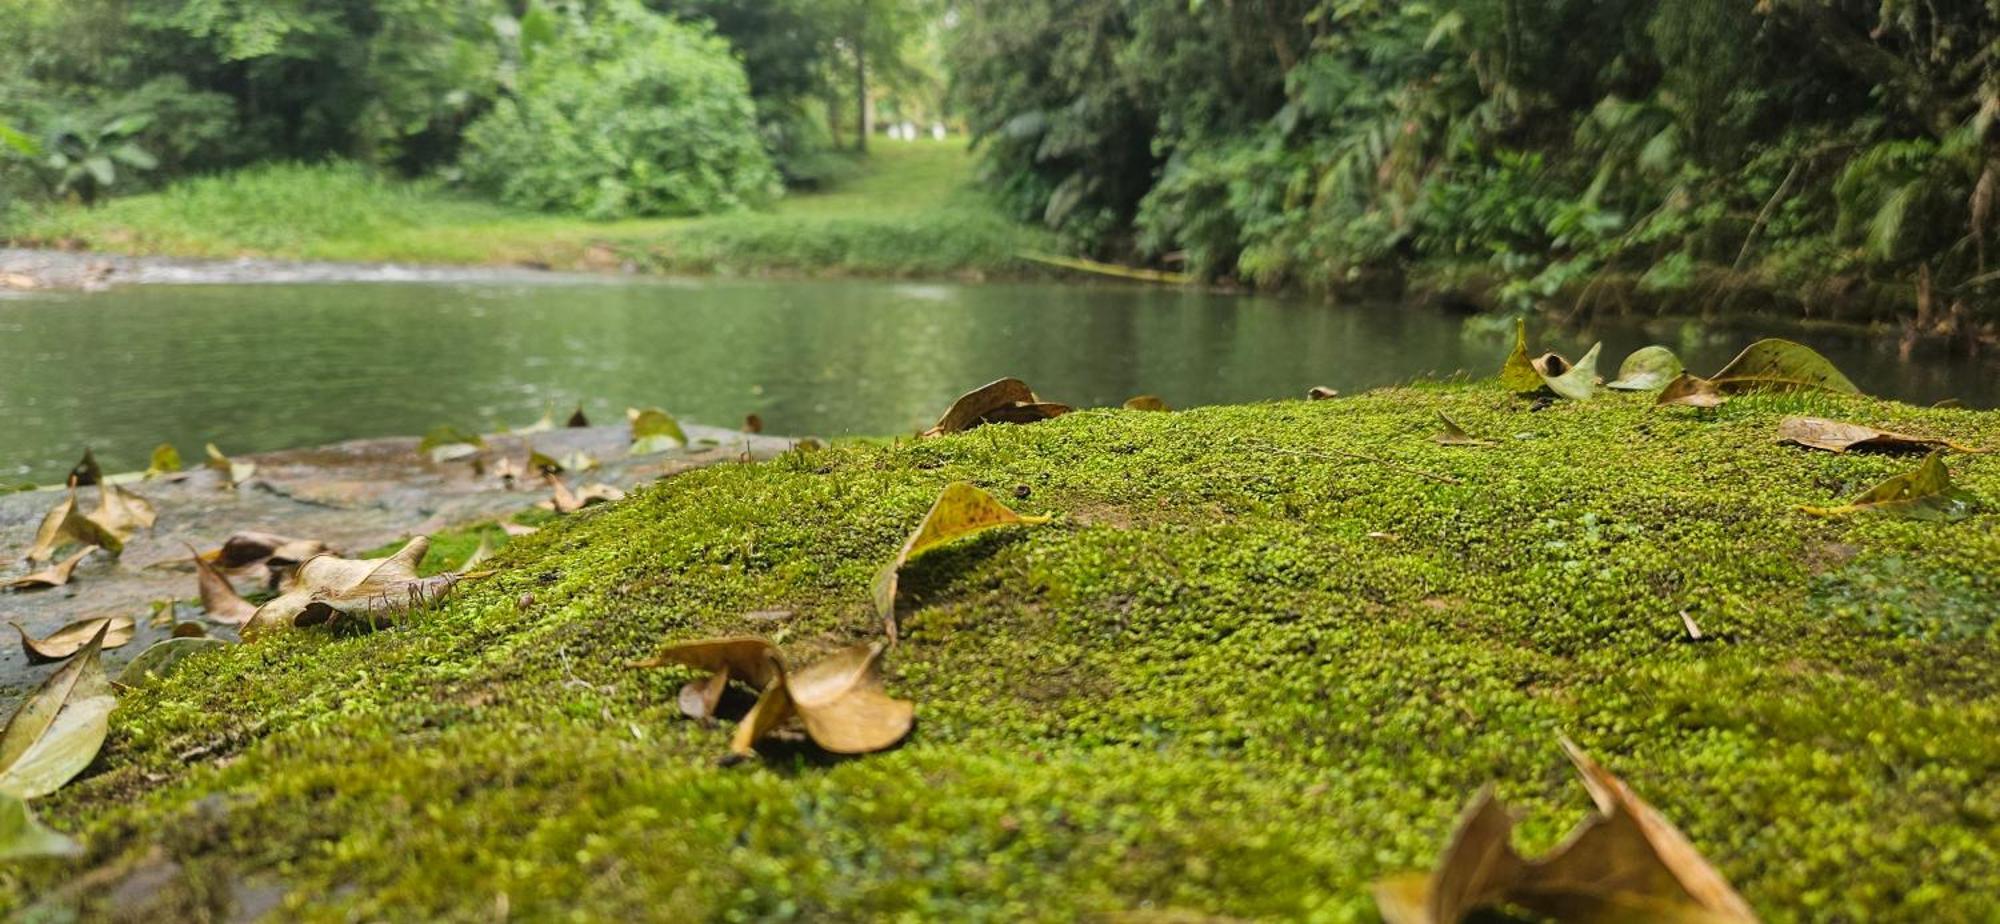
x: 258, y: 367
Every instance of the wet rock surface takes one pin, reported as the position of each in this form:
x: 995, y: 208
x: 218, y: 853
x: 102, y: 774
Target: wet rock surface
x: 354, y: 496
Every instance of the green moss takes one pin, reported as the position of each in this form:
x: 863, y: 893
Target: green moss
x: 1242, y: 673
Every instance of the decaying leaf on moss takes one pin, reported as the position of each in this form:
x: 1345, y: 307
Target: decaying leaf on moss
x: 327, y: 588
x: 1841, y: 436
x: 1781, y: 365
x: 232, y: 472
x: 63, y: 524
x: 1923, y: 494
x: 1625, y: 863
x: 1455, y: 435
x: 22, y: 836
x: 1006, y: 400
x: 166, y: 460
x: 746, y: 658
x: 163, y: 657
x: 219, y: 598
x: 1647, y: 368
x: 1147, y: 403
x: 512, y: 528
x: 58, y: 729
x: 1322, y: 393
x: 70, y: 639
x: 961, y: 510
x: 1690, y: 391
x: 1575, y: 381
x: 654, y: 430
x: 55, y: 575
x: 839, y: 699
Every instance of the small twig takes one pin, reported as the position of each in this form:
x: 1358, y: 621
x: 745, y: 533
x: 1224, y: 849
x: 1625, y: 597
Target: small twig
x: 1378, y: 460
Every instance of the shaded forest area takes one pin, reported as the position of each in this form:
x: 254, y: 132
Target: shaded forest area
x: 1836, y: 157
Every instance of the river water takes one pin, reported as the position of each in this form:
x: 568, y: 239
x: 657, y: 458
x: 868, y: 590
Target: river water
x: 266, y: 366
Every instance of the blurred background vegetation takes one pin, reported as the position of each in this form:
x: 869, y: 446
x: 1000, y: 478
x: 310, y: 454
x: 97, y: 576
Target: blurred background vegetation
x: 1803, y: 156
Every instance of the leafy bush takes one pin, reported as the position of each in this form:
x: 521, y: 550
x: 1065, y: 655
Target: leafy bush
x: 628, y: 113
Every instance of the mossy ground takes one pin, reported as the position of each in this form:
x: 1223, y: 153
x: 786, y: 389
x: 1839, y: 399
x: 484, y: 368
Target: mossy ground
x: 906, y: 209
x: 1212, y: 685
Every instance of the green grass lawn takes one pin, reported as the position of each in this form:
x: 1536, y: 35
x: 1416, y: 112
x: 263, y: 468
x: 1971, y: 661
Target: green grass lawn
x: 1242, y: 673
x: 905, y: 210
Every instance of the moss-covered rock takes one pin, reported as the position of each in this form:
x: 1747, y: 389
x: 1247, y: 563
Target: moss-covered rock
x: 1244, y: 672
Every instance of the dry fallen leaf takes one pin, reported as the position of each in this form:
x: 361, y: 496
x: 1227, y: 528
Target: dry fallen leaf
x: 55, y: 575
x: 1321, y: 393
x: 747, y: 658
x: 1577, y: 381
x: 71, y: 638
x: 328, y: 587
x: 122, y: 512
x: 1004, y: 401
x: 1625, y: 863
x: 961, y: 510
x: 233, y: 472
x: 1690, y: 391
x: 1841, y: 436
x: 577, y: 418
x: 753, y: 423
x: 63, y: 525
x: 59, y: 728
x: 1924, y: 494
x: 512, y: 528
x: 839, y: 699
x: 86, y: 472
x: 1147, y: 403
x: 654, y: 430
x: 1455, y: 435
x: 567, y: 501
x: 219, y: 598
x: 446, y: 443
x: 268, y: 555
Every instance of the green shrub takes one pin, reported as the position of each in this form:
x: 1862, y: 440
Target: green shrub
x: 628, y: 113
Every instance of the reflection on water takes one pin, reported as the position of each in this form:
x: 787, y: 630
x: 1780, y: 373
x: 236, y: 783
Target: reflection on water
x: 265, y: 367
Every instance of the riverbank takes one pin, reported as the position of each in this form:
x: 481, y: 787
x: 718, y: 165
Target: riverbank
x: 1261, y: 657
x: 907, y: 210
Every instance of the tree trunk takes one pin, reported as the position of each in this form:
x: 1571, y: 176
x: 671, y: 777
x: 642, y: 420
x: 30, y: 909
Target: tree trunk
x: 864, y: 116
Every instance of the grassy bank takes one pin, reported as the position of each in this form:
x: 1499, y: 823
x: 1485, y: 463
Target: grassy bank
x: 906, y: 210
x: 1241, y: 673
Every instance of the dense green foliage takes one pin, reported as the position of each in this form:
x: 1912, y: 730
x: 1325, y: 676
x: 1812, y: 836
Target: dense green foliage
x: 1240, y: 675
x: 118, y: 96
x: 623, y: 114
x: 1815, y: 146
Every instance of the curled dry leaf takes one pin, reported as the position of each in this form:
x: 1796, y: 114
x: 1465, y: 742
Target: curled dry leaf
x: 1455, y: 435
x: 1690, y: 391
x: 1321, y: 393
x: 251, y: 549
x: 654, y: 430
x: 165, y: 461
x: 746, y: 658
x: 233, y: 472
x: 512, y: 528
x: 1841, y: 436
x: 1924, y: 494
x: 86, y: 472
x: 1577, y: 381
x: 1147, y: 403
x: 22, y: 836
x: 122, y: 512
x: 1625, y: 863
x: 70, y: 639
x: 63, y: 525
x: 58, y: 729
x: 1007, y: 400
x: 328, y: 587
x: 839, y: 699
x: 163, y: 657
x: 219, y: 598
x: 961, y: 510
x: 188, y: 630
x: 55, y: 575
x: 1647, y: 368
x: 567, y: 501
